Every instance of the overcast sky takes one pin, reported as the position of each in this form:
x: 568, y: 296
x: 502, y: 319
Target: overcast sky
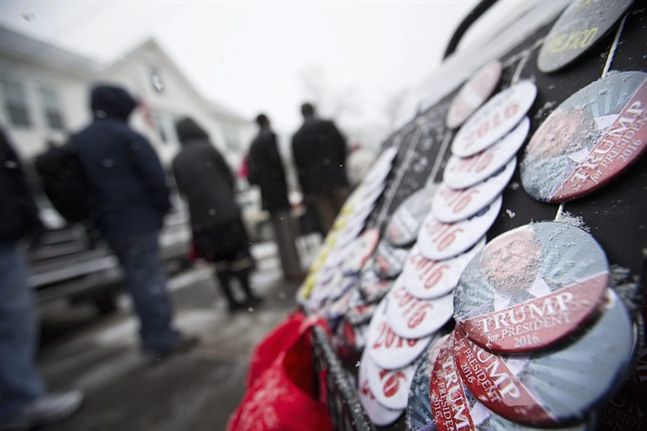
x: 265, y: 56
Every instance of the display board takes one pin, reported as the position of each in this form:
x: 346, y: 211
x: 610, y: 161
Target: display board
x: 613, y: 216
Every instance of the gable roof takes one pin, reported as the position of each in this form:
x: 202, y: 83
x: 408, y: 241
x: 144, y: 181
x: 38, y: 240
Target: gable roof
x: 23, y: 47
x: 151, y: 44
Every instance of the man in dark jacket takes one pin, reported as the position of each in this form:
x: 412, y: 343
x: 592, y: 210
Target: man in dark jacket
x: 219, y: 236
x: 319, y: 152
x: 129, y: 201
x: 23, y: 400
x: 265, y: 169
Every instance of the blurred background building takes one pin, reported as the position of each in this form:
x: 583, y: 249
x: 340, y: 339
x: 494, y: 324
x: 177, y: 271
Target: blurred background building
x: 44, y: 96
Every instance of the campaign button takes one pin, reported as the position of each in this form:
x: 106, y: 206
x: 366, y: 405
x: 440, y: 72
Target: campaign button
x: 456, y: 408
x: 372, y: 287
x: 388, y: 349
x: 451, y: 205
x: 579, y: 28
x: 360, y: 313
x: 390, y: 387
x: 472, y: 95
x: 588, y: 140
x: 419, y: 416
x: 494, y: 119
x: 530, y: 287
x: 466, y: 172
x: 360, y: 251
x: 381, y: 168
x: 388, y: 260
x: 553, y: 386
x: 425, y: 278
x: 405, y: 222
x: 377, y: 413
x: 438, y: 240
x: 411, y: 317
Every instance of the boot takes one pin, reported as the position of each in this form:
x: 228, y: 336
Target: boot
x: 224, y: 280
x: 252, y: 300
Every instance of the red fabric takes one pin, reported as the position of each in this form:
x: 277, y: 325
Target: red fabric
x: 276, y: 342
x: 243, y: 170
x: 282, y: 388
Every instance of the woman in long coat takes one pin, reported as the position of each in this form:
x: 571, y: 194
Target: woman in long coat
x: 219, y: 236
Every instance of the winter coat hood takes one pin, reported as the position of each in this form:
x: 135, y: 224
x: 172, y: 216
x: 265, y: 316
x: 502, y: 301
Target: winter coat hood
x: 112, y: 102
x: 188, y: 130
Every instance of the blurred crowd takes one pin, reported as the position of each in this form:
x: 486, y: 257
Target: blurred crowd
x: 109, y: 177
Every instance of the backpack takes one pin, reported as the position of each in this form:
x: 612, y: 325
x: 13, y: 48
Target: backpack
x: 65, y: 182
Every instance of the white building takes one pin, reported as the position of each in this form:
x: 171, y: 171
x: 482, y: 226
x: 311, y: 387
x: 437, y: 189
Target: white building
x: 44, y: 96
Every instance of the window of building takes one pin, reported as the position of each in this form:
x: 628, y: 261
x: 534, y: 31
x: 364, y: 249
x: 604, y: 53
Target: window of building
x: 232, y: 140
x: 165, y: 126
x: 52, y: 109
x: 156, y: 80
x: 15, y: 103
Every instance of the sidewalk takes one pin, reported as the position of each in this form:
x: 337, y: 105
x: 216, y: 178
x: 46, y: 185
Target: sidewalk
x: 196, y: 391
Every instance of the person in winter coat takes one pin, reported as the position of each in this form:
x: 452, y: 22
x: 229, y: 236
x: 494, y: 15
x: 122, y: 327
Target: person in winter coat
x: 265, y: 169
x: 219, y: 235
x: 24, y: 402
x: 319, y: 153
x: 129, y: 199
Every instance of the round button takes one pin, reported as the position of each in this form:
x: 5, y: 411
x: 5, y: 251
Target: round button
x: 472, y: 95
x: 425, y: 278
x: 494, y: 119
x: 466, y: 172
x: 440, y: 241
x: 555, y: 386
x: 577, y: 30
x: 530, y: 287
x: 588, y: 140
x: 451, y: 205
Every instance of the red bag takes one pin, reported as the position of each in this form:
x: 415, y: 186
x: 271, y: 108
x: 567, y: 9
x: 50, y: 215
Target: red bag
x: 282, y: 385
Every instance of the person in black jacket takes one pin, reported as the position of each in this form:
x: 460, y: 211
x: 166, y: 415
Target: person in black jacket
x: 23, y: 400
x: 219, y: 235
x: 319, y: 152
x: 265, y: 169
x: 129, y: 199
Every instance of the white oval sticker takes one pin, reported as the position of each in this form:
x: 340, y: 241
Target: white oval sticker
x: 425, y: 278
x: 494, y: 119
x: 378, y: 414
x: 438, y: 240
x: 387, y: 349
x: 390, y: 387
x: 466, y: 172
x: 411, y: 317
x: 450, y: 205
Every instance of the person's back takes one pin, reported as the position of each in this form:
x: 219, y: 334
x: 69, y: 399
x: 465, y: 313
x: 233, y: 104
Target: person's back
x: 203, y: 177
x: 319, y: 152
x: 219, y: 236
x: 128, y: 201
x: 129, y: 187
x: 266, y: 169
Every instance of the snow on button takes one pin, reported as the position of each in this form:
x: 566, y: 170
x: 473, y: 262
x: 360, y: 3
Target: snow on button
x: 531, y: 287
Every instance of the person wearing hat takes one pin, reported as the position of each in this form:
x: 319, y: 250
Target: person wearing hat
x: 129, y: 198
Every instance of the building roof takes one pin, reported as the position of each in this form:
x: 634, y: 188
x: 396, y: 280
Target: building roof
x: 26, y: 48
x: 23, y: 47
x: 215, y: 108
